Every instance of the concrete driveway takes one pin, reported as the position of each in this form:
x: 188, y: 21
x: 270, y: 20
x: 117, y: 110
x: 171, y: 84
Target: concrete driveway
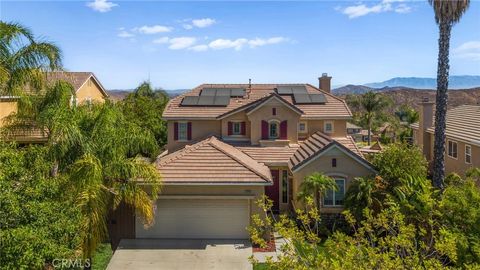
x: 181, y: 254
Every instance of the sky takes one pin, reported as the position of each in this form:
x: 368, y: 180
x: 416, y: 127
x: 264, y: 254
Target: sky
x: 178, y: 45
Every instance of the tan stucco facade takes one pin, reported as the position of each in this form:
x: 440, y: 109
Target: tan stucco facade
x: 347, y: 168
x: 90, y: 91
x: 265, y: 112
x: 339, y: 127
x: 201, y: 129
x: 238, y: 117
x: 7, y: 107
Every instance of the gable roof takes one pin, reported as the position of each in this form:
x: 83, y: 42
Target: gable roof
x: 463, y: 124
x: 319, y: 143
x: 334, y: 108
x: 270, y: 155
x: 76, y: 79
x: 279, y: 98
x: 214, y: 162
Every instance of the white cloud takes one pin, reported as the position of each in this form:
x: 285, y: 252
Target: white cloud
x: 181, y: 43
x: 187, y: 26
x: 199, y: 48
x: 220, y: 43
x: 161, y: 40
x: 202, y: 23
x: 153, y: 29
x: 468, y: 50
x: 125, y: 34
x: 101, y: 5
x: 262, y: 42
x: 383, y: 6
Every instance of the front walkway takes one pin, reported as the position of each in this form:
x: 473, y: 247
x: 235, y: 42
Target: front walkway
x: 182, y: 254
x: 262, y: 256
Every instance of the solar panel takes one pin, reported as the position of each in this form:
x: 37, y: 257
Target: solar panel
x: 223, y: 92
x: 190, y: 101
x: 301, y: 98
x: 205, y: 100
x: 237, y: 92
x: 208, y: 92
x: 291, y: 89
x: 318, y: 98
x: 221, y: 101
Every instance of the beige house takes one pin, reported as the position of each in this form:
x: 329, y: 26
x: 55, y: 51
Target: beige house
x: 87, y: 89
x: 228, y: 144
x: 462, y: 145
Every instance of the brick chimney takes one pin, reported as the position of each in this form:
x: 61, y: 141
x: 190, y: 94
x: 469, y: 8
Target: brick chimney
x: 324, y: 82
x: 425, y: 122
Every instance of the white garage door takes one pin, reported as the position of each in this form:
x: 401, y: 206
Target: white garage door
x: 206, y: 218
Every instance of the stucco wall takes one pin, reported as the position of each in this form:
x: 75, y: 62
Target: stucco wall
x: 200, y: 130
x: 347, y: 168
x: 7, y: 108
x: 90, y: 90
x: 339, y: 127
x: 238, y: 117
x: 265, y: 113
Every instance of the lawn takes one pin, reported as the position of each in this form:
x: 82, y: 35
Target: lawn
x: 102, y: 257
x: 260, y: 266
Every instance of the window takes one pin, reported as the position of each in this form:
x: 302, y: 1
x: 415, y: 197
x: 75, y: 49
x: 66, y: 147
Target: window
x: 328, y: 127
x: 334, y: 162
x: 236, y: 128
x: 468, y: 154
x: 284, y: 186
x: 302, y: 127
x: 182, y: 131
x: 274, y: 111
x: 335, y: 198
x: 452, y: 149
x: 273, y: 130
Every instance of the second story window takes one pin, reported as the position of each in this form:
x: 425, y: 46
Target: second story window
x: 302, y: 127
x: 452, y: 149
x: 236, y: 128
x: 273, y: 130
x: 334, y: 162
x: 468, y: 154
x: 328, y: 127
x: 182, y: 131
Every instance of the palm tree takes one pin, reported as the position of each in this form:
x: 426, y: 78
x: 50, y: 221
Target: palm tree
x: 363, y: 193
x: 316, y: 185
x: 371, y: 105
x: 24, y: 59
x: 447, y: 13
x: 103, y: 156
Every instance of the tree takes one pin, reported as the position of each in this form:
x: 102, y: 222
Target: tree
x: 103, y: 156
x: 144, y: 107
x: 24, y: 59
x: 365, y: 192
x: 447, y: 13
x: 371, y: 106
x: 316, y: 185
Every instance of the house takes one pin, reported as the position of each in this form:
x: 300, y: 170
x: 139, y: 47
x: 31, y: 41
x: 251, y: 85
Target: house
x: 87, y: 89
x: 354, y: 131
x: 462, y: 145
x: 228, y: 144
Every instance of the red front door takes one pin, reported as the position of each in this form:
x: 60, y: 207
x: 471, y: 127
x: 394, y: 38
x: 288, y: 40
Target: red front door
x: 273, y: 191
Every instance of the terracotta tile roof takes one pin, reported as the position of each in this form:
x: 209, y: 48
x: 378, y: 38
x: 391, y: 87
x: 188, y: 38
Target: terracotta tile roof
x: 211, y: 161
x: 77, y: 79
x: 270, y: 156
x: 333, y: 108
x: 463, y: 123
x: 316, y: 143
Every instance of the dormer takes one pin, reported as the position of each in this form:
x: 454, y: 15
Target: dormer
x: 273, y: 121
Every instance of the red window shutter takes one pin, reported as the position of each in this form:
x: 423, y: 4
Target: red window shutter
x: 274, y: 111
x: 189, y: 131
x: 243, y: 128
x: 230, y: 128
x: 175, y: 131
x: 283, y: 130
x: 264, y: 130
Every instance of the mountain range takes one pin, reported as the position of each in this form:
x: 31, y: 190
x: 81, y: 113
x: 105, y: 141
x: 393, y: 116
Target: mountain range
x: 454, y: 82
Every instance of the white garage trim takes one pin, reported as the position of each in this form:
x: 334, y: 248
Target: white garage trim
x: 207, y: 197
x: 202, y: 218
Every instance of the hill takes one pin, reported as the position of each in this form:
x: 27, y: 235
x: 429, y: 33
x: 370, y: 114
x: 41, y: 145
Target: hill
x: 455, y: 82
x: 120, y: 94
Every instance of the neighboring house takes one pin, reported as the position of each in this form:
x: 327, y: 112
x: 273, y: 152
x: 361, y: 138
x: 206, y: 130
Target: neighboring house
x: 228, y: 144
x: 462, y: 145
x: 354, y: 131
x: 87, y: 89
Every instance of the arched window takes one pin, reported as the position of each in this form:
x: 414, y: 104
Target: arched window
x: 273, y: 129
x: 335, y: 197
